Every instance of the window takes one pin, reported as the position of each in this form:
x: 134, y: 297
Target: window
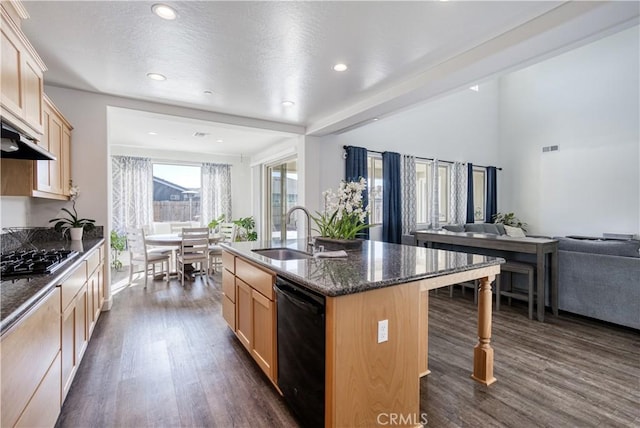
x: 282, y: 186
x: 176, y: 192
x: 374, y: 183
x: 423, y: 191
x: 479, y: 189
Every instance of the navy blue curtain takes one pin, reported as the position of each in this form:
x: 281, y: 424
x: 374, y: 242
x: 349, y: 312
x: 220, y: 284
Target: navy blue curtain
x: 391, y: 198
x: 492, y: 195
x: 356, y: 167
x: 470, y: 212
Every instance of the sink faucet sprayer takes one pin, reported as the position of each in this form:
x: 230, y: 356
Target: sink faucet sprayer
x: 309, y: 238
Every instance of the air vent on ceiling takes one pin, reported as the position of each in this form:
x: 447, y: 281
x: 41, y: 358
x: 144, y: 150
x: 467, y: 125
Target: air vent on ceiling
x: 549, y: 149
x: 200, y: 134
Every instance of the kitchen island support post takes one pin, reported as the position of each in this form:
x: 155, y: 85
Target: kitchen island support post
x: 482, y: 352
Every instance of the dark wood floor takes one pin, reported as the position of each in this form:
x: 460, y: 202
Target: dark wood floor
x: 164, y: 357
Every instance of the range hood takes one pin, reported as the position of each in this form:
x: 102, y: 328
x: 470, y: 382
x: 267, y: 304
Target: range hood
x: 18, y: 146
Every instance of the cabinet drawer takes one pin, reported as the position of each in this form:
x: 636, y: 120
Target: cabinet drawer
x: 26, y: 354
x: 228, y: 261
x: 93, y: 261
x: 229, y: 312
x: 257, y: 278
x: 228, y: 285
x: 73, y: 284
x: 44, y: 407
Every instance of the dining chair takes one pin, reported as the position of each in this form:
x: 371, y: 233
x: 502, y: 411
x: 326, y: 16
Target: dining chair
x: 140, y: 254
x: 194, y: 249
x: 228, y: 231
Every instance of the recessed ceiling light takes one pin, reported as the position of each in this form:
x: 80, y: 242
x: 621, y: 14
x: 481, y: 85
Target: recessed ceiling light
x: 164, y: 11
x: 152, y: 133
x: 475, y: 88
x: 156, y: 76
x: 288, y: 103
x: 375, y: 119
x: 340, y: 67
x: 219, y: 141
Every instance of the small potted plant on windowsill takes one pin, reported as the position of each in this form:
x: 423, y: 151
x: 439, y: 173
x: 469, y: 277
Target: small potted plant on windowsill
x: 73, y: 223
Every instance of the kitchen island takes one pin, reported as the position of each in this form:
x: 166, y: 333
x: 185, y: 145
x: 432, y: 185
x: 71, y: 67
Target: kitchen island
x: 368, y: 381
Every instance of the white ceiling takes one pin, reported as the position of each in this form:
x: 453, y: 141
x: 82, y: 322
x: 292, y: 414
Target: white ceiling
x: 254, y: 55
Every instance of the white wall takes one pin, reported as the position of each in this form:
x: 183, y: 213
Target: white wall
x: 586, y: 102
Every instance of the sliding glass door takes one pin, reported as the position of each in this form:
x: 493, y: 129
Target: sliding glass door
x: 282, y: 194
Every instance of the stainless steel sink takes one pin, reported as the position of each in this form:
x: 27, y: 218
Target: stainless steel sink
x: 283, y: 254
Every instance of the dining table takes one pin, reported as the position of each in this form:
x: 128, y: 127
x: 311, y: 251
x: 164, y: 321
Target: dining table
x: 174, y: 241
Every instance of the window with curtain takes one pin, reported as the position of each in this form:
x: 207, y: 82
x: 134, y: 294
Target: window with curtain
x: 132, y: 192
x: 216, y: 191
x: 479, y: 192
x: 375, y: 185
x: 176, y: 193
x: 425, y: 191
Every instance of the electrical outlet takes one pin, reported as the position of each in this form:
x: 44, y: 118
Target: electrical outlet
x: 383, y: 331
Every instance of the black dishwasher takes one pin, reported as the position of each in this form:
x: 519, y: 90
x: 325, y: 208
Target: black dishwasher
x: 301, y: 347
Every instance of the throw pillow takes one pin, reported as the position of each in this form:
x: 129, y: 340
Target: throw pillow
x: 514, y: 232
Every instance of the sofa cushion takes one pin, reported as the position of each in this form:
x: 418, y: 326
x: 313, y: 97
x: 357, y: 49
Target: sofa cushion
x: 501, y: 229
x: 615, y: 248
x: 474, y: 227
x: 491, y: 228
x: 454, y: 227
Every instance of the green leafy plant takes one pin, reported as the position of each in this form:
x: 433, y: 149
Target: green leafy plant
x: 62, y: 224
x: 118, y: 245
x: 213, y: 224
x: 246, y: 226
x: 344, y: 214
x: 509, y: 219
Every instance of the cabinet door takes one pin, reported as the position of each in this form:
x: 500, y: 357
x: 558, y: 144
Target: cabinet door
x: 244, y: 314
x: 65, y: 160
x: 82, y: 328
x: 26, y: 354
x: 32, y: 84
x: 10, y: 76
x: 49, y: 174
x: 44, y: 406
x: 263, y: 345
x: 68, y: 345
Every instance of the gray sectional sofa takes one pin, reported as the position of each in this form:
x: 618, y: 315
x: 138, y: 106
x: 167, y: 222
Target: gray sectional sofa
x: 600, y: 279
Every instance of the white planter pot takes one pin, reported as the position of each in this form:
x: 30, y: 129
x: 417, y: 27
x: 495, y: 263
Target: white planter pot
x: 76, y: 233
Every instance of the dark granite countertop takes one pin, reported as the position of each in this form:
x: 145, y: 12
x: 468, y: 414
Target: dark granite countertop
x: 377, y: 265
x: 17, y: 296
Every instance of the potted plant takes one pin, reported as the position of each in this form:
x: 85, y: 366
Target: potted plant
x: 73, y: 223
x: 213, y: 224
x: 509, y: 219
x: 246, y: 226
x: 344, y: 216
x: 118, y: 245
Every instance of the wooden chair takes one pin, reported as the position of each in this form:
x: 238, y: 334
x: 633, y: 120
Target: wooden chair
x: 147, y: 257
x: 229, y: 232
x: 194, y: 249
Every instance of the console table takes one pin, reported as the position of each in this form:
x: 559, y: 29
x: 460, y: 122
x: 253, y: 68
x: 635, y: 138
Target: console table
x: 529, y: 245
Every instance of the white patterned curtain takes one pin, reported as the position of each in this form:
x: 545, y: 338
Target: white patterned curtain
x: 132, y: 193
x: 434, y: 206
x: 216, y: 192
x: 408, y: 190
x: 458, y: 193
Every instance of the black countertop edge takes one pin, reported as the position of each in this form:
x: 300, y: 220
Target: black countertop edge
x: 360, y: 286
x: 45, y: 283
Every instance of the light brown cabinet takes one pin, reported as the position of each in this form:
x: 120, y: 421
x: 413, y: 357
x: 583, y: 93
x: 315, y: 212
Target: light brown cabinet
x: 43, y: 179
x: 22, y: 83
x: 74, y: 333
x: 30, y: 387
x: 248, y: 295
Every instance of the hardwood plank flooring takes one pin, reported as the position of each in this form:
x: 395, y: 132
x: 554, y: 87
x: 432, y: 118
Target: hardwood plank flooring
x: 165, y: 357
